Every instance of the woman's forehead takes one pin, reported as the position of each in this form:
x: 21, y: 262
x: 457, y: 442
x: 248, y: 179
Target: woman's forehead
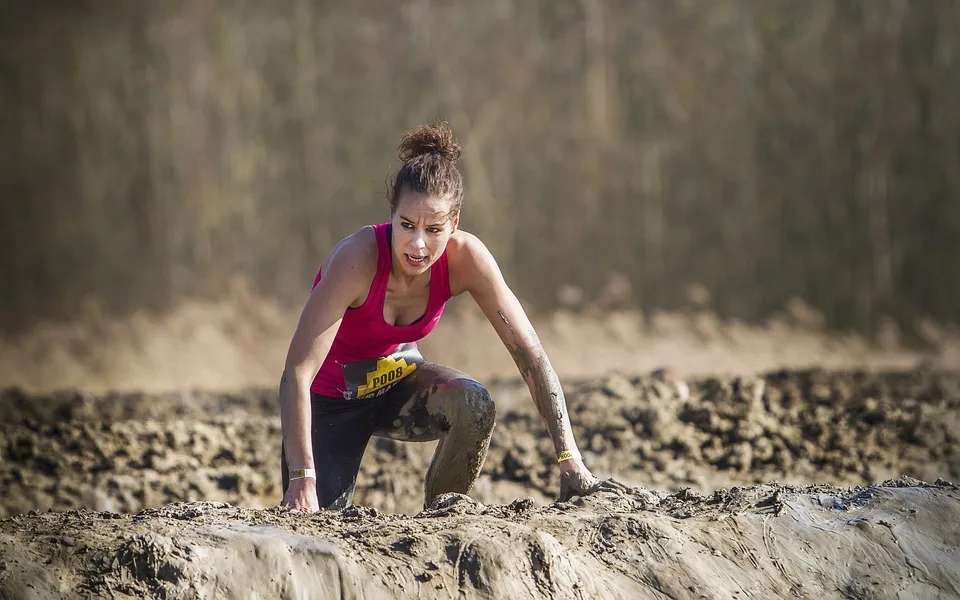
x: 423, y: 206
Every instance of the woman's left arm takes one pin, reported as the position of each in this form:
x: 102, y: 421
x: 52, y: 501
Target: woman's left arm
x: 479, y: 274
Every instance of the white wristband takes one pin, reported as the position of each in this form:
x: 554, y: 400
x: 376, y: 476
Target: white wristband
x: 303, y: 474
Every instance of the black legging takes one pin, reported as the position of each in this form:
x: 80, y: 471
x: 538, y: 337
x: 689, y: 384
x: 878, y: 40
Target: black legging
x: 432, y: 403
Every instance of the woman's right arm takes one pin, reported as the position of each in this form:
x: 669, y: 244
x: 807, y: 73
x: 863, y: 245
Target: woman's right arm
x: 346, y: 279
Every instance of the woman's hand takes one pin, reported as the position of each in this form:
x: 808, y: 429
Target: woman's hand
x: 301, y: 495
x: 576, y: 479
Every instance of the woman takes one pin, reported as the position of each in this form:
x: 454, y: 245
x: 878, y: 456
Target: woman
x: 353, y: 369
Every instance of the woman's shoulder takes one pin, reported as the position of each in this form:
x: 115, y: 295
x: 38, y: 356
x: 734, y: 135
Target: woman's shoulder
x: 357, y: 251
x: 465, y: 247
x: 468, y: 260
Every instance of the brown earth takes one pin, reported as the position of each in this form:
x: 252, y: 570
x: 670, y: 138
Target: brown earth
x: 730, y: 510
x: 128, y: 452
x: 896, y: 540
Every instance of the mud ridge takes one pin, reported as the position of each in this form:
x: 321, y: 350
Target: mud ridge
x: 897, y: 539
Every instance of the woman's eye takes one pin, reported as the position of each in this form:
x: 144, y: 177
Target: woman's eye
x: 407, y: 225
x: 433, y: 230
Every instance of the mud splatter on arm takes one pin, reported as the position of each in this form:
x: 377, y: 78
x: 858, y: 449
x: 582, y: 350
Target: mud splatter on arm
x: 544, y: 385
x: 474, y: 269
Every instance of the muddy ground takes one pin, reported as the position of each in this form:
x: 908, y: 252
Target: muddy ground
x: 726, y: 494
x: 754, y: 542
x: 124, y: 453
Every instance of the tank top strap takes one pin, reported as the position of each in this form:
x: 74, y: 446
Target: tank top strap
x: 440, y: 293
x: 378, y: 287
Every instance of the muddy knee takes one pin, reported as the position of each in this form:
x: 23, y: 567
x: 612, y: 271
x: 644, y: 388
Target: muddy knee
x: 472, y: 408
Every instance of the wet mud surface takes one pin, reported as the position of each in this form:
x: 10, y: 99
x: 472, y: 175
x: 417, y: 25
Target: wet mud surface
x: 791, y: 484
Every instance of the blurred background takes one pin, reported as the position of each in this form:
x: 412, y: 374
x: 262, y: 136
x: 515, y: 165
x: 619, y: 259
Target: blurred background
x: 720, y: 185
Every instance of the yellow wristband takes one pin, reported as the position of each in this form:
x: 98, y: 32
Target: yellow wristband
x: 565, y: 455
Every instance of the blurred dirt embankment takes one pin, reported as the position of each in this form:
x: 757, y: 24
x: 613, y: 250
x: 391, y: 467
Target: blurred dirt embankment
x: 202, y: 345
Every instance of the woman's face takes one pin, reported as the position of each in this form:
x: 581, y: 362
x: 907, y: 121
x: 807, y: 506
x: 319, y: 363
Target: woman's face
x: 422, y: 226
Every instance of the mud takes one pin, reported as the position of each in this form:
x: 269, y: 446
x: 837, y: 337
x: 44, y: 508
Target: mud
x: 883, y: 541
x: 791, y: 484
x: 124, y: 453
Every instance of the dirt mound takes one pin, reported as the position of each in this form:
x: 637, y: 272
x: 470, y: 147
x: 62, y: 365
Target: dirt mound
x: 894, y: 540
x: 124, y: 453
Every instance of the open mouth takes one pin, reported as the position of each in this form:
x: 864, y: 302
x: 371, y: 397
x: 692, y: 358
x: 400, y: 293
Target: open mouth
x: 417, y: 261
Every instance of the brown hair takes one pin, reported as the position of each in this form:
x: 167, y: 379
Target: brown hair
x: 429, y: 157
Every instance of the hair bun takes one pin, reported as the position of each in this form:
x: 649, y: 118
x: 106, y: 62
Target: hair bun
x: 430, y: 139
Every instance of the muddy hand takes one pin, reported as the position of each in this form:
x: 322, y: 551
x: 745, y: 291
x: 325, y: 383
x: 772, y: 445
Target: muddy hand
x: 576, y: 480
x: 579, y: 481
x: 612, y: 486
x: 301, y: 496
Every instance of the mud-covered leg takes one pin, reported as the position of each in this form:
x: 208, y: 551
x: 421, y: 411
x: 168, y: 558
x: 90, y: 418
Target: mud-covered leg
x: 446, y: 405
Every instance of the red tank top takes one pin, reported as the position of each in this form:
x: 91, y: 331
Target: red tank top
x: 363, y: 333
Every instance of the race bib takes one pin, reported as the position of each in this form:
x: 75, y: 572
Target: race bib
x: 372, y: 377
